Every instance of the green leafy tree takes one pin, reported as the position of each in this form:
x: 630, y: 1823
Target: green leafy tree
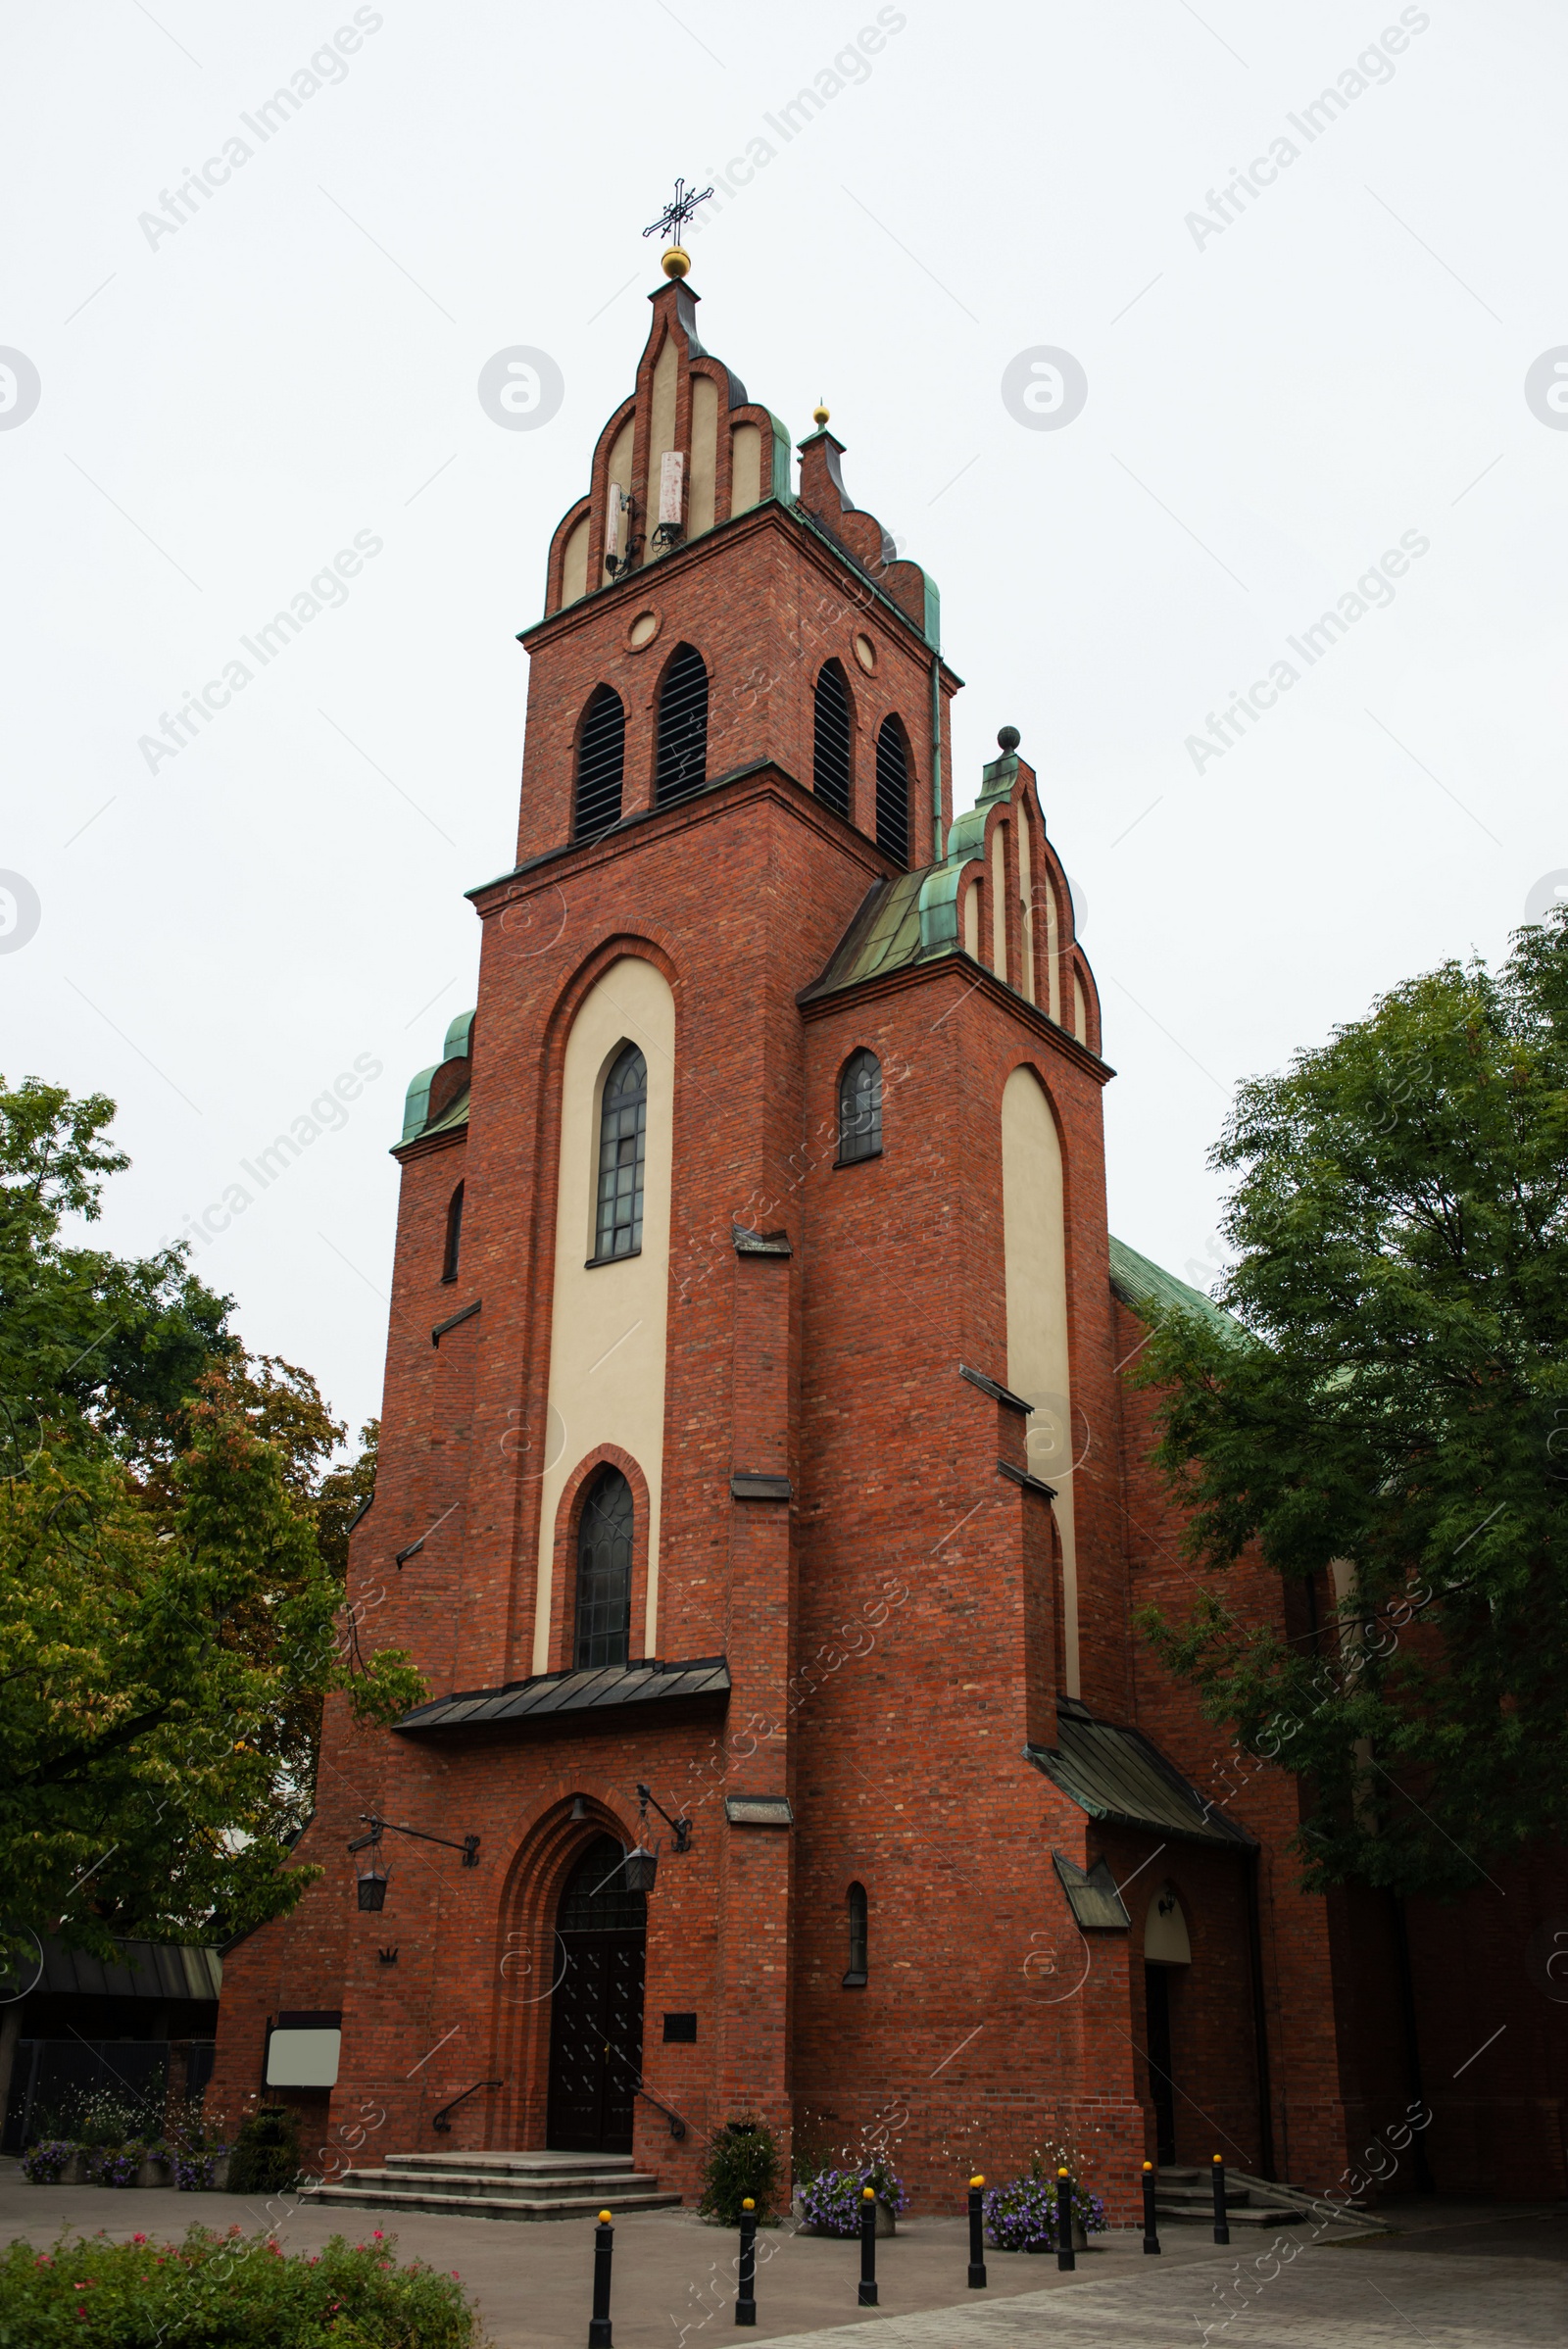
x: 170, y: 1624
x: 1394, y: 1406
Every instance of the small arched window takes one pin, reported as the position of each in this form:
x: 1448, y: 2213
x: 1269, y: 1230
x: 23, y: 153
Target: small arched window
x: 682, y: 766
x: 855, y: 1978
x: 454, y: 1239
x: 831, y: 744
x: 891, y: 792
x: 623, y: 1154
x: 604, y: 1574
x: 601, y: 764
x: 860, y: 1108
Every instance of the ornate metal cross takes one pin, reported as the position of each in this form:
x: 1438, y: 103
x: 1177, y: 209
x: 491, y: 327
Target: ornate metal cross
x: 674, y: 217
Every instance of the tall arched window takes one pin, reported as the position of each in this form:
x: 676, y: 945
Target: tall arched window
x: 682, y: 766
x: 454, y: 1239
x: 601, y: 764
x: 622, y: 1153
x: 860, y: 1108
x: 604, y: 1574
x: 831, y: 744
x: 891, y: 792
x: 855, y: 1978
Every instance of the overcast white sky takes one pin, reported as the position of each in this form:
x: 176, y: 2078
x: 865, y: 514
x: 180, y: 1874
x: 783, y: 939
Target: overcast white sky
x: 1272, y: 405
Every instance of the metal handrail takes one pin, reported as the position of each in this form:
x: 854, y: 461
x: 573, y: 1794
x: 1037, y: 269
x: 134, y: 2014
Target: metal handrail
x: 677, y: 2127
x: 439, y: 2119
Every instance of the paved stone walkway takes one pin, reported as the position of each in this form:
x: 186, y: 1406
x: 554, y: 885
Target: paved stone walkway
x: 1469, y: 2276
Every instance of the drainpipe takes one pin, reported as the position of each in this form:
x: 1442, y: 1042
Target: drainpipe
x: 937, y: 845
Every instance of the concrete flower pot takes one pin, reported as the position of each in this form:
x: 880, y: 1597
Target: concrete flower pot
x: 1080, y: 2242
x: 886, y: 2222
x: 155, y: 2169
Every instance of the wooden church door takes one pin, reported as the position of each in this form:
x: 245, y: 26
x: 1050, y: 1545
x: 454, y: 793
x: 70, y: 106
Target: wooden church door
x: 596, y: 2014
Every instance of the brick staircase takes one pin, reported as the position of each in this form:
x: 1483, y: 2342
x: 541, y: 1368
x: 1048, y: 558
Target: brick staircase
x: 499, y: 2185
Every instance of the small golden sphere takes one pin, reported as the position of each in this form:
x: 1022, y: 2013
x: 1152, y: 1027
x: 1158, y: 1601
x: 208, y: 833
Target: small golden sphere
x: 977, y: 2179
x: 603, y: 2218
x: 748, y: 2203
x: 676, y: 261
x: 1061, y: 2172
x: 819, y: 416
x: 868, y: 2193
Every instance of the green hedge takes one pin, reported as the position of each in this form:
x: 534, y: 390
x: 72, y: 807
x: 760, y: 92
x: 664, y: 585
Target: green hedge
x: 228, y: 2292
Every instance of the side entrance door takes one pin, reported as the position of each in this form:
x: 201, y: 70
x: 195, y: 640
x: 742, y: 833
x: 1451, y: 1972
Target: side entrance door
x: 596, y: 2015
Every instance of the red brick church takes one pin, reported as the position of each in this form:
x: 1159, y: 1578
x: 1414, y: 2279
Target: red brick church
x: 756, y: 1434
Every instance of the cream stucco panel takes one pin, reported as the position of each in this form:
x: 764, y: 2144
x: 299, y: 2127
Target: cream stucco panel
x: 575, y: 566
x: 1052, y: 947
x: 1034, y: 1241
x: 999, y: 901
x: 704, y: 455
x: 746, y: 467
x: 1026, y: 977
x: 607, y: 1324
x: 661, y: 432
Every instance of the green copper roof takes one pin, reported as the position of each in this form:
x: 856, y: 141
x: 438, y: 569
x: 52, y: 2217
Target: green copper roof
x: 893, y: 928
x: 1143, y: 1285
x: 1118, y: 1776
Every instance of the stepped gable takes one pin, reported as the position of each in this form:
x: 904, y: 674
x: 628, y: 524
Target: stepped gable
x: 731, y: 455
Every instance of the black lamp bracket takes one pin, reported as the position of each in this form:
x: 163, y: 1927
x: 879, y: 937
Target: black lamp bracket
x: 470, y: 1846
x: 681, y: 1829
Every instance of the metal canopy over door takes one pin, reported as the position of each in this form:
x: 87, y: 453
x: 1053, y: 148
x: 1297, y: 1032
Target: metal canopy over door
x: 596, y: 2015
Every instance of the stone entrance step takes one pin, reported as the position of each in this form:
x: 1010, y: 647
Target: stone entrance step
x: 1185, y: 2197
x: 501, y: 2185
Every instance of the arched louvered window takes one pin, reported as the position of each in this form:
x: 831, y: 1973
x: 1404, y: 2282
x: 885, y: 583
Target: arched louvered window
x: 604, y: 1574
x: 682, y: 766
x: 860, y: 1108
x: 831, y: 744
x: 891, y: 792
x: 855, y: 1978
x: 601, y: 764
x: 623, y: 1152
x: 454, y: 1239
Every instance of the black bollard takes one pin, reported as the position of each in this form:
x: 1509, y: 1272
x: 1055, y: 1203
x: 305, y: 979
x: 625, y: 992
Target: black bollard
x: 1151, y: 2228
x: 1222, y: 2229
x: 977, y: 2235
x: 599, y: 2333
x: 1066, y: 2257
x: 746, y: 2301
x: 867, y: 2247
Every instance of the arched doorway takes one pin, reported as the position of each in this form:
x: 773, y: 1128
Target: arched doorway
x: 596, y: 2014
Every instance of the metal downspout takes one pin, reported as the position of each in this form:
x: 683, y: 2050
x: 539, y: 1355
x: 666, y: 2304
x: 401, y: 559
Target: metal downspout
x: 938, y: 845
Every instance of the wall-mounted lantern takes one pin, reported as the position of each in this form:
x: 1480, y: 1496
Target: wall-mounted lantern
x: 372, y: 1878
x: 641, y: 1864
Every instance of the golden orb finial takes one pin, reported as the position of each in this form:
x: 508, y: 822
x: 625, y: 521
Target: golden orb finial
x: 819, y: 415
x: 675, y: 262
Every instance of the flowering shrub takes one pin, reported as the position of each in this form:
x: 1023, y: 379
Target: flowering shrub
x: 229, y: 2291
x: 114, y: 2165
x: 832, y: 2198
x: 1023, y: 2210
x: 45, y: 2164
x: 195, y: 2167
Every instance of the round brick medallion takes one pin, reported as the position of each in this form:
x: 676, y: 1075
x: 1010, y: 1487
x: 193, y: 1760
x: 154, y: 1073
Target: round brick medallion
x: 866, y: 654
x: 643, y: 630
